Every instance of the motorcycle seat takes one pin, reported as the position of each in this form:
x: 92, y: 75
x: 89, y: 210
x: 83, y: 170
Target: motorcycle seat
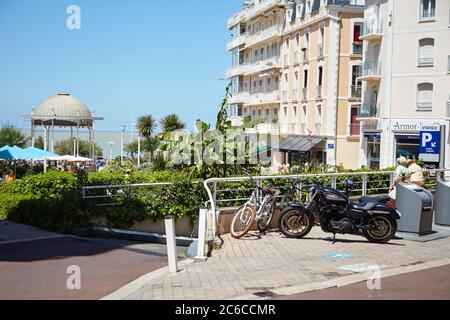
x: 365, y: 206
x: 374, y: 199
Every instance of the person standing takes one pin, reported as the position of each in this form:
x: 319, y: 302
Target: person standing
x: 401, y: 175
x: 416, y: 172
x: 10, y: 177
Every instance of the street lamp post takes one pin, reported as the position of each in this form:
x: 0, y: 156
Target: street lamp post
x: 122, y: 139
x: 139, y: 146
x: 110, y: 150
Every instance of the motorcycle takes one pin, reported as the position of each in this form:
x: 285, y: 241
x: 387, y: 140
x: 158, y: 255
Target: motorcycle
x: 337, y: 214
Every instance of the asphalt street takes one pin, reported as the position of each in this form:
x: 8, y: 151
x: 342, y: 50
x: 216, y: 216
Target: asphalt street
x: 39, y: 269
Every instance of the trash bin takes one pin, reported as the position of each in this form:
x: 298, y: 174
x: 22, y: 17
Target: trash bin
x: 416, y: 207
x: 442, y: 216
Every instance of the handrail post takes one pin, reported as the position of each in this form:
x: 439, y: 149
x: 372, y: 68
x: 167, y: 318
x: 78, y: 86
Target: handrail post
x: 364, y: 185
x: 171, y: 244
x: 201, y: 256
x: 334, y: 181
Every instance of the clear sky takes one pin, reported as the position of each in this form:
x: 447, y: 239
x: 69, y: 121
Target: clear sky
x: 130, y: 57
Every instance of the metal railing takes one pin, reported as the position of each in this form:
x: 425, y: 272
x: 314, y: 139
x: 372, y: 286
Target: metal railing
x: 372, y: 27
x: 237, y: 41
x: 265, y: 34
x: 320, y: 49
x: 319, y: 92
x: 368, y: 110
x: 426, y: 61
x: 305, y: 93
x: 222, y: 194
x: 294, y: 97
x: 371, y: 69
x: 425, y: 105
x: 357, y: 48
x: 356, y: 91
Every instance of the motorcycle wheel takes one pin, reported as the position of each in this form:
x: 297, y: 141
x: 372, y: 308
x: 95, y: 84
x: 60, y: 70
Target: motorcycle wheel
x: 383, y: 229
x: 242, y: 222
x: 294, y: 223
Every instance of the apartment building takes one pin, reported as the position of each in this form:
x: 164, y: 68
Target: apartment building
x: 296, y: 64
x: 406, y: 81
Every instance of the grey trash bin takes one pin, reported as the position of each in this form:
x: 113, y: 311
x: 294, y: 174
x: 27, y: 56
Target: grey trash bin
x: 443, y: 203
x: 416, y: 207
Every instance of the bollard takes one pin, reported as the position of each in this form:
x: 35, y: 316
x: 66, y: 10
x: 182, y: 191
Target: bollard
x: 201, y: 256
x: 171, y: 244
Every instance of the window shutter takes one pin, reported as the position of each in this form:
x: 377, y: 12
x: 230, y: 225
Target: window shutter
x: 426, y: 50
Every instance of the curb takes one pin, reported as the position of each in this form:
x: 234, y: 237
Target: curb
x: 346, y: 280
x: 135, y: 285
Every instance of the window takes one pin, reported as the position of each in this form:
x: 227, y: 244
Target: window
x: 425, y: 96
x: 426, y: 52
x: 357, y: 43
x: 297, y: 39
x: 319, y: 120
x: 319, y: 83
x: 260, y: 88
x: 355, y: 124
x: 268, y: 85
x: 373, y: 151
x: 356, y: 83
x: 277, y: 85
x: 427, y: 9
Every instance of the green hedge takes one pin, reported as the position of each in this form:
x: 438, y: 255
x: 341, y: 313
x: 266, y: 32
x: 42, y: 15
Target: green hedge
x: 53, y: 201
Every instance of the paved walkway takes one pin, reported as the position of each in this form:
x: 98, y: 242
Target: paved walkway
x: 273, y: 265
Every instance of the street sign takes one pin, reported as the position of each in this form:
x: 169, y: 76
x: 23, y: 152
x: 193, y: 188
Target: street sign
x: 430, y: 146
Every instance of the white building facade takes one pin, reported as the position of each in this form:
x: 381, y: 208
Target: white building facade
x: 406, y: 81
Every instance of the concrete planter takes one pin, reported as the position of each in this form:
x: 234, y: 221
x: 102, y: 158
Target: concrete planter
x: 226, y: 216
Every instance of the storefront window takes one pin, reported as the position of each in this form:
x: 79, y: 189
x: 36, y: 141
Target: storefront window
x: 407, y: 146
x: 373, y: 152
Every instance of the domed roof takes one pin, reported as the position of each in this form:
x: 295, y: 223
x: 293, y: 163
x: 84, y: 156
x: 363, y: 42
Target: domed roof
x: 63, y: 106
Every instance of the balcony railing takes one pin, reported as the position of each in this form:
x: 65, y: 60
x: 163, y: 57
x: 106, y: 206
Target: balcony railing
x: 305, y: 55
x: 305, y: 93
x: 425, y: 105
x: 237, y: 41
x: 373, y: 28
x: 427, y: 14
x: 261, y: 7
x: 357, y: 48
x: 240, y: 97
x: 346, y: 2
x: 426, y: 61
x: 319, y: 92
x: 263, y: 97
x: 320, y: 49
x: 285, y: 99
x: 296, y: 57
x: 268, y: 63
x: 265, y: 34
x: 356, y: 91
x: 286, y: 60
x: 294, y: 97
x: 237, y: 70
x: 355, y: 129
x: 371, y: 69
x: 368, y: 111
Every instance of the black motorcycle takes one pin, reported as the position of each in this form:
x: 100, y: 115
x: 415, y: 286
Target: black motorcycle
x: 337, y: 214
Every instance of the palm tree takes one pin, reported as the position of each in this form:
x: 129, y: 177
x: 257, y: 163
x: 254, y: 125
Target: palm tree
x: 146, y: 125
x: 172, y: 123
x: 9, y: 136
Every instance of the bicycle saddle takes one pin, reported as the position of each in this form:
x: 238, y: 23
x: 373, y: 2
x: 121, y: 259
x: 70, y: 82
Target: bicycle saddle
x: 270, y: 190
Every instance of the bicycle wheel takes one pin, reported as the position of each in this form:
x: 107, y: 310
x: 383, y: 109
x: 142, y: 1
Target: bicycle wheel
x: 266, y: 215
x: 242, y: 222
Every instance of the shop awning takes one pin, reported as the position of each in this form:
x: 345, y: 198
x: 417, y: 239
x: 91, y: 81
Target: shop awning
x: 299, y: 144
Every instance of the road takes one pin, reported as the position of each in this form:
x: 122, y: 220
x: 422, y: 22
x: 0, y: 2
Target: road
x: 38, y: 269
x: 431, y: 284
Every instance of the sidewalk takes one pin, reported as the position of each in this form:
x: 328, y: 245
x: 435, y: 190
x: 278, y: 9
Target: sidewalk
x: 12, y: 232
x: 273, y: 265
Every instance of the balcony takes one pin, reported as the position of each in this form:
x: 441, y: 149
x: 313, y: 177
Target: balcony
x: 305, y: 94
x: 319, y: 93
x: 237, y: 70
x: 356, y: 91
x: 262, y: 65
x: 237, y: 41
x: 371, y: 71
x: 294, y: 97
x: 354, y: 129
x: 263, y: 98
x: 264, y: 35
x: 320, y: 50
x: 372, y: 30
x: 367, y: 111
x: 346, y: 2
x: 236, y: 121
x: 254, y: 10
x: 240, y: 97
x: 427, y: 14
x: 425, y: 62
x: 357, y: 48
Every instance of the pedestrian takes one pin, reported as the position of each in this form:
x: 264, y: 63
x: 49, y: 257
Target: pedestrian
x: 401, y: 175
x: 10, y: 177
x: 416, y: 172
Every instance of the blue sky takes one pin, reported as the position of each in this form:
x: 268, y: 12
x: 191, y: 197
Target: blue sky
x: 130, y: 58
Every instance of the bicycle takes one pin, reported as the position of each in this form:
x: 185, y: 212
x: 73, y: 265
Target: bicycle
x: 260, y: 208
x: 292, y: 194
